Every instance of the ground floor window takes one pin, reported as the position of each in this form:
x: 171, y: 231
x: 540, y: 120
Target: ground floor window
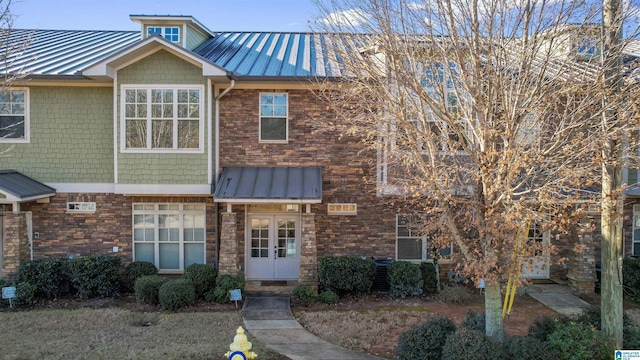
x: 171, y: 236
x: 636, y: 230
x: 411, y: 244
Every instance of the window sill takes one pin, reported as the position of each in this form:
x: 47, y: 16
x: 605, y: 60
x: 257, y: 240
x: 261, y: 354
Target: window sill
x: 273, y: 141
x: 170, y: 272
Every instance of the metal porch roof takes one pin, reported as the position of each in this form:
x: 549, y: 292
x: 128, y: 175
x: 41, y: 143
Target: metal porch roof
x: 60, y: 52
x: 19, y: 187
x: 269, y: 184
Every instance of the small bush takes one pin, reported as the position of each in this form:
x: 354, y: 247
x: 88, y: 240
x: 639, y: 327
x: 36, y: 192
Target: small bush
x: 328, y: 297
x: 346, y: 274
x: 405, y: 279
x: 631, y: 337
x: 525, y: 348
x: 474, y: 320
x: 544, y: 326
x: 224, y: 283
x: 425, y: 341
x: 429, y: 277
x: 176, y: 294
x: 631, y: 278
x: 455, y: 294
x: 137, y: 269
x: 203, y: 277
x: 147, y: 288
x: 469, y: 344
x: 94, y: 276
x: 576, y: 341
x: 46, y: 275
x: 26, y: 293
x: 304, y: 295
x: 591, y: 316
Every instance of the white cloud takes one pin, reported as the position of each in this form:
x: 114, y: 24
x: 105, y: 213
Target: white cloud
x: 351, y: 17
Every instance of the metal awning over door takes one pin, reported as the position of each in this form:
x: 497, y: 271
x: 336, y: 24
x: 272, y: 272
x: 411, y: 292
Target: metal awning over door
x: 16, y: 187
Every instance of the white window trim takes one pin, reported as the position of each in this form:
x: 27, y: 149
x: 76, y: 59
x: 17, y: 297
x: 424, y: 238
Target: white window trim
x: 342, y: 207
x: 123, y: 128
x: 636, y: 212
x: 286, y: 117
x: 156, y: 212
x: 27, y: 122
x: 163, y: 30
x: 89, y: 207
x: 425, y: 242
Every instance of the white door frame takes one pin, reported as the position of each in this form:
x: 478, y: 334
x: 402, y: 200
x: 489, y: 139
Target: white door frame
x: 272, y: 267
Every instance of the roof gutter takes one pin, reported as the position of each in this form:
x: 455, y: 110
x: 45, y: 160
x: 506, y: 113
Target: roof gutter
x: 216, y: 145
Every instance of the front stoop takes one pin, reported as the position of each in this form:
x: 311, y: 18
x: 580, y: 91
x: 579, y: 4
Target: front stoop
x: 267, y: 287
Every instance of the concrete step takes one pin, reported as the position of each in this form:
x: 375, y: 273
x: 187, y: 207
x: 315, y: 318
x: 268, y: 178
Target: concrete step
x: 269, y: 288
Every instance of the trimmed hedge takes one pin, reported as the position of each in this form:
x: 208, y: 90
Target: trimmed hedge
x: 26, y: 293
x: 304, y: 295
x: 474, y: 320
x: 224, y: 283
x: 46, y: 275
x: 176, y: 294
x: 147, y: 288
x: 425, y: 341
x: 525, y: 348
x: 94, y: 276
x: 631, y: 278
x: 346, y: 274
x: 577, y: 341
x: 429, y: 277
x: 203, y: 277
x: 470, y: 344
x: 405, y: 279
x: 137, y: 269
x: 328, y: 297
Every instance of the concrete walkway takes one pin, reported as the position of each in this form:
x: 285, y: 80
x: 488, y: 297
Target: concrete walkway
x: 269, y: 320
x: 557, y: 297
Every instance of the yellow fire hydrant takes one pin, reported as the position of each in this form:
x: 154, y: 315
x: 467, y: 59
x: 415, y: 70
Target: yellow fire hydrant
x: 240, y: 348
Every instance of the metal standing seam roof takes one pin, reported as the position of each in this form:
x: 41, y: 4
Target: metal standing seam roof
x: 246, y: 184
x: 60, y: 52
x: 22, y: 187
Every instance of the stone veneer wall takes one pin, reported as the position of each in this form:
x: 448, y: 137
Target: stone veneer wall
x: 63, y: 234
x: 15, y: 245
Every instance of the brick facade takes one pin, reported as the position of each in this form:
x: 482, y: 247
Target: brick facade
x: 15, y: 245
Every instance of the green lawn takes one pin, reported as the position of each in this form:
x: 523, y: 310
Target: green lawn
x: 119, y: 334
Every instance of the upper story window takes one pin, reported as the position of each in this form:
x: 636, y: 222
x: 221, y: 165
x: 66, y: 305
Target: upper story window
x: 171, y: 33
x: 162, y: 118
x: 14, y: 115
x: 273, y: 117
x: 586, y: 47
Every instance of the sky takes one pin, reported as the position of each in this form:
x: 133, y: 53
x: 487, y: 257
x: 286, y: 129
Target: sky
x: 217, y: 15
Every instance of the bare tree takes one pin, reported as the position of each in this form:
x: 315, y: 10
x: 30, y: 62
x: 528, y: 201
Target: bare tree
x: 486, y: 114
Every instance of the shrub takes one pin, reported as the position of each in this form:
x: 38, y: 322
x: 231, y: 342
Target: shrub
x: 203, y: 277
x: 575, y: 341
x: 304, y: 295
x: 591, y: 316
x: 631, y: 277
x: 631, y: 337
x: 474, y: 320
x: 544, y: 326
x: 175, y: 294
x: 405, y: 279
x: 46, y: 275
x: 429, y: 277
x: 94, y: 276
x: 26, y: 293
x: 224, y: 283
x: 525, y: 348
x: 346, y: 274
x: 147, y: 287
x: 328, y: 297
x: 455, y: 294
x: 469, y: 344
x: 137, y: 269
x: 425, y: 341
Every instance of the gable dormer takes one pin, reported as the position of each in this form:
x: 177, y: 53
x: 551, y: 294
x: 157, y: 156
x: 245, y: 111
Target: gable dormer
x: 181, y: 30
x: 580, y: 42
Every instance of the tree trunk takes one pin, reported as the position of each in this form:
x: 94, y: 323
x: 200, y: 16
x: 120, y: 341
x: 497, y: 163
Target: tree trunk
x: 493, y: 310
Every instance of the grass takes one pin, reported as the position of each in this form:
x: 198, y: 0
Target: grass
x: 119, y: 334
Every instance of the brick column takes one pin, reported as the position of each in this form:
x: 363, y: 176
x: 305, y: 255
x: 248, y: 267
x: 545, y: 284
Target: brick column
x: 582, y: 262
x: 228, y: 263
x: 309, y: 252
x: 16, y: 244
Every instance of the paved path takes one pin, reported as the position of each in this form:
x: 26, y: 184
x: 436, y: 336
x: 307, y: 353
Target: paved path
x: 557, y: 297
x: 270, y: 321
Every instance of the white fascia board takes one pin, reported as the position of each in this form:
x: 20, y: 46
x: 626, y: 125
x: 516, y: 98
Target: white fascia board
x: 106, y: 188
x: 268, y: 201
x: 144, y: 48
x: 162, y: 189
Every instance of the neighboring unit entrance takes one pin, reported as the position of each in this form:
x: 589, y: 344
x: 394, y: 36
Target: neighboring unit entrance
x: 537, y: 267
x: 273, y: 247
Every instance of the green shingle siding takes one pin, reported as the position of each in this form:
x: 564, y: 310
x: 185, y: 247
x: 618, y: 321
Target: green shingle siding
x: 71, y: 136
x: 194, y: 38
x: 163, y: 168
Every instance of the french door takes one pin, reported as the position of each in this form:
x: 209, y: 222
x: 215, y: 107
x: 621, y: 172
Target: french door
x: 273, y: 247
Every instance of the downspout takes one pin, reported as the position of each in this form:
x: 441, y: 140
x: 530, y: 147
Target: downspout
x: 217, y: 140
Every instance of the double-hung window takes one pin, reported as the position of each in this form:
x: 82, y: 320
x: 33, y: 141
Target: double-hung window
x: 411, y: 245
x: 636, y: 231
x: 170, y: 236
x: 14, y: 115
x: 162, y: 118
x: 274, y: 117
